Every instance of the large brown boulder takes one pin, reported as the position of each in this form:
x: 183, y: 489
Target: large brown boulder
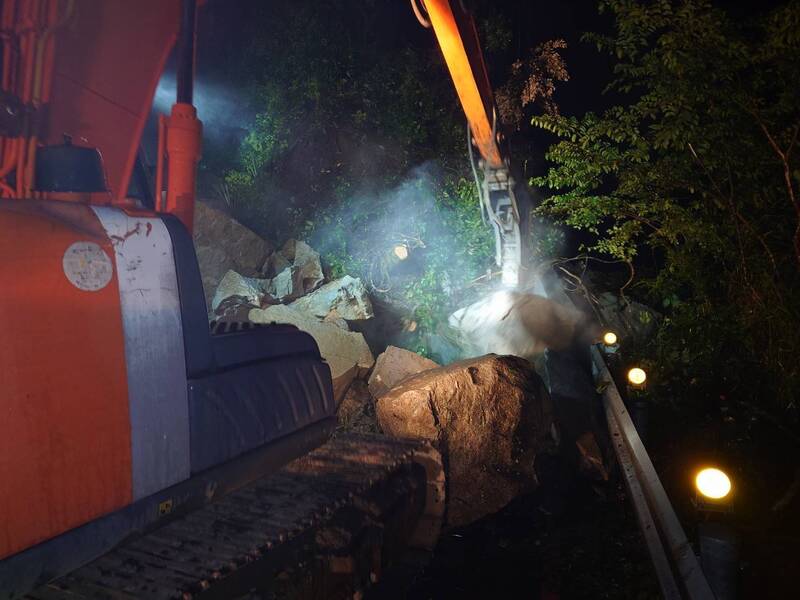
x: 392, y: 366
x: 489, y: 416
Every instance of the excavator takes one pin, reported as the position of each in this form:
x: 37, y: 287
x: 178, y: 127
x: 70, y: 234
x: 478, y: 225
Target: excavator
x: 120, y: 406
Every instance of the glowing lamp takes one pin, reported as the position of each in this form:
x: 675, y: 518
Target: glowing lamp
x: 713, y: 483
x: 637, y: 376
x: 401, y: 251
x: 609, y: 338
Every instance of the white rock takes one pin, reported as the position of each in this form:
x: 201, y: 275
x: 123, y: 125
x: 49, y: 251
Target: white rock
x: 347, y: 296
x: 234, y: 284
x: 282, y: 286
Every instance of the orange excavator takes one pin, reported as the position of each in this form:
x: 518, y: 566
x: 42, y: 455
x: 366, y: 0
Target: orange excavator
x: 118, y: 403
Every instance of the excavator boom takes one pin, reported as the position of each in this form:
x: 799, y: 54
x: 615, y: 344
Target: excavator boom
x: 504, y: 203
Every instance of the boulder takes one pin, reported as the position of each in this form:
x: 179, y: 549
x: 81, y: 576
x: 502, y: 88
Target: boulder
x: 628, y: 319
x: 347, y: 296
x: 249, y: 289
x: 393, y: 366
x: 346, y: 352
x: 520, y: 324
x: 489, y: 416
x: 223, y: 244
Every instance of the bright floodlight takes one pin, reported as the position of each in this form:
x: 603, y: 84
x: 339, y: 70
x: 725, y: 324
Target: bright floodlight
x: 637, y: 376
x: 713, y: 483
x: 609, y: 338
x: 401, y: 251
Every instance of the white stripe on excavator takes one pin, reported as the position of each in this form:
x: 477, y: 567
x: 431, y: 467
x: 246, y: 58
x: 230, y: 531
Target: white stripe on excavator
x: 154, y: 353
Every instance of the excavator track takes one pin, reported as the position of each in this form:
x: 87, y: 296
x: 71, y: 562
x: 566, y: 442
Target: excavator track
x: 322, y: 526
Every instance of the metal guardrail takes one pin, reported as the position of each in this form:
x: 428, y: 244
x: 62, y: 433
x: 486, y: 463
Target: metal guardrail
x: 657, y: 519
x: 677, y: 568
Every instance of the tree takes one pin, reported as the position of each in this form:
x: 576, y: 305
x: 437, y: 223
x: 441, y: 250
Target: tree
x: 698, y: 167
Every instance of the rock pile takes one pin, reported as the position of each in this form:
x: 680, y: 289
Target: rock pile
x: 489, y: 417
x: 245, y: 279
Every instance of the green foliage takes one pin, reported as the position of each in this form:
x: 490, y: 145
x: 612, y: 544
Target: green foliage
x: 697, y: 167
x: 437, y: 218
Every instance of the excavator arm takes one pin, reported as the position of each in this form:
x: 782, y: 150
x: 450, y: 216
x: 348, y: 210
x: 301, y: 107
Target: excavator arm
x: 502, y: 204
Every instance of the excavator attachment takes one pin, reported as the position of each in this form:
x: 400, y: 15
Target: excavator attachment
x: 504, y: 203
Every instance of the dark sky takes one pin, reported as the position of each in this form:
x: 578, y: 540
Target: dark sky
x: 222, y: 43
x: 532, y: 22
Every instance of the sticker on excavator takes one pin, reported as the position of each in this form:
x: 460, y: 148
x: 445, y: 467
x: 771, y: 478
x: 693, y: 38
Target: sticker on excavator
x: 165, y: 507
x: 87, y: 266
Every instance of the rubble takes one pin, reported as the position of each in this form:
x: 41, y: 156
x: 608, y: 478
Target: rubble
x: 346, y: 352
x: 283, y: 285
x: 249, y: 289
x: 489, y: 416
x: 346, y: 296
x: 393, y: 366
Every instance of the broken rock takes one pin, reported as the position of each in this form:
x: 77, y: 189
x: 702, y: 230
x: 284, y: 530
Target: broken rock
x: 393, y: 366
x: 346, y: 352
x: 249, y: 289
x: 307, y: 265
x: 282, y: 286
x: 489, y: 416
x: 347, y: 296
